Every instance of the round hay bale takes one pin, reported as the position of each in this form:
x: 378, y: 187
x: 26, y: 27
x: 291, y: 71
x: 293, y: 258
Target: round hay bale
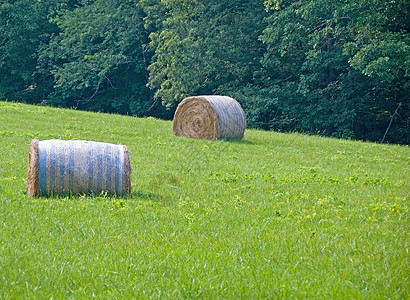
x: 58, y: 167
x: 209, y: 117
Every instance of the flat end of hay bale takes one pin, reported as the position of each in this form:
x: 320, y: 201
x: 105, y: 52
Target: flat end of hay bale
x: 127, y: 171
x: 196, y: 117
x: 33, y: 173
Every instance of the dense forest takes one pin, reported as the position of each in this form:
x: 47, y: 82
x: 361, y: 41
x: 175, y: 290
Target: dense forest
x: 326, y: 67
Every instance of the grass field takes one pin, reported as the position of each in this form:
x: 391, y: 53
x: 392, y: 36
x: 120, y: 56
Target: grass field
x: 272, y: 216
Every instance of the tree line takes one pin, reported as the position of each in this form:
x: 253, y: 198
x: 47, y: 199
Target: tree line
x: 327, y: 67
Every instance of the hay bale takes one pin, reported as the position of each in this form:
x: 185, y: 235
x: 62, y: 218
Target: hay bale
x: 58, y: 167
x: 209, y: 117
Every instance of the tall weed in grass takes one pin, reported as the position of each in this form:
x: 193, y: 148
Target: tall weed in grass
x: 272, y: 216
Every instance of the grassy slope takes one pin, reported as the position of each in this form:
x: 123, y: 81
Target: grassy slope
x: 274, y: 215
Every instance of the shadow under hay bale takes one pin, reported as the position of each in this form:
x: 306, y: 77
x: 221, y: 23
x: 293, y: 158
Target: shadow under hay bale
x: 209, y: 117
x: 58, y: 167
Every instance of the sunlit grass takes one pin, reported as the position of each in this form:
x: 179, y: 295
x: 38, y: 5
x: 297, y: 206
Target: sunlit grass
x: 274, y: 215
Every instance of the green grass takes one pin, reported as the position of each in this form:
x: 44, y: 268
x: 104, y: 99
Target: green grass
x: 272, y: 216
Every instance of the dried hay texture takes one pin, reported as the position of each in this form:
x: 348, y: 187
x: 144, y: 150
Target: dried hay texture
x: 209, y: 117
x: 58, y: 167
x: 33, y: 174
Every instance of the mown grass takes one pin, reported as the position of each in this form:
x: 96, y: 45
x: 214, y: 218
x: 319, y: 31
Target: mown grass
x: 272, y: 216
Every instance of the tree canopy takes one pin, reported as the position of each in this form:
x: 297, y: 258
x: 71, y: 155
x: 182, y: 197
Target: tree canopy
x: 98, y: 58
x: 327, y: 67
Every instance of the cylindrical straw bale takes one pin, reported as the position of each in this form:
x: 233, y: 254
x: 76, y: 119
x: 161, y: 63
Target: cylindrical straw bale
x: 58, y: 167
x: 209, y: 117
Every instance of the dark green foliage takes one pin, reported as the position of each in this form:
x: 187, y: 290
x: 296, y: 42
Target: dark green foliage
x: 339, y: 68
x: 99, y: 60
x: 24, y: 29
x: 305, y: 60
x: 203, y: 47
x: 327, y: 67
